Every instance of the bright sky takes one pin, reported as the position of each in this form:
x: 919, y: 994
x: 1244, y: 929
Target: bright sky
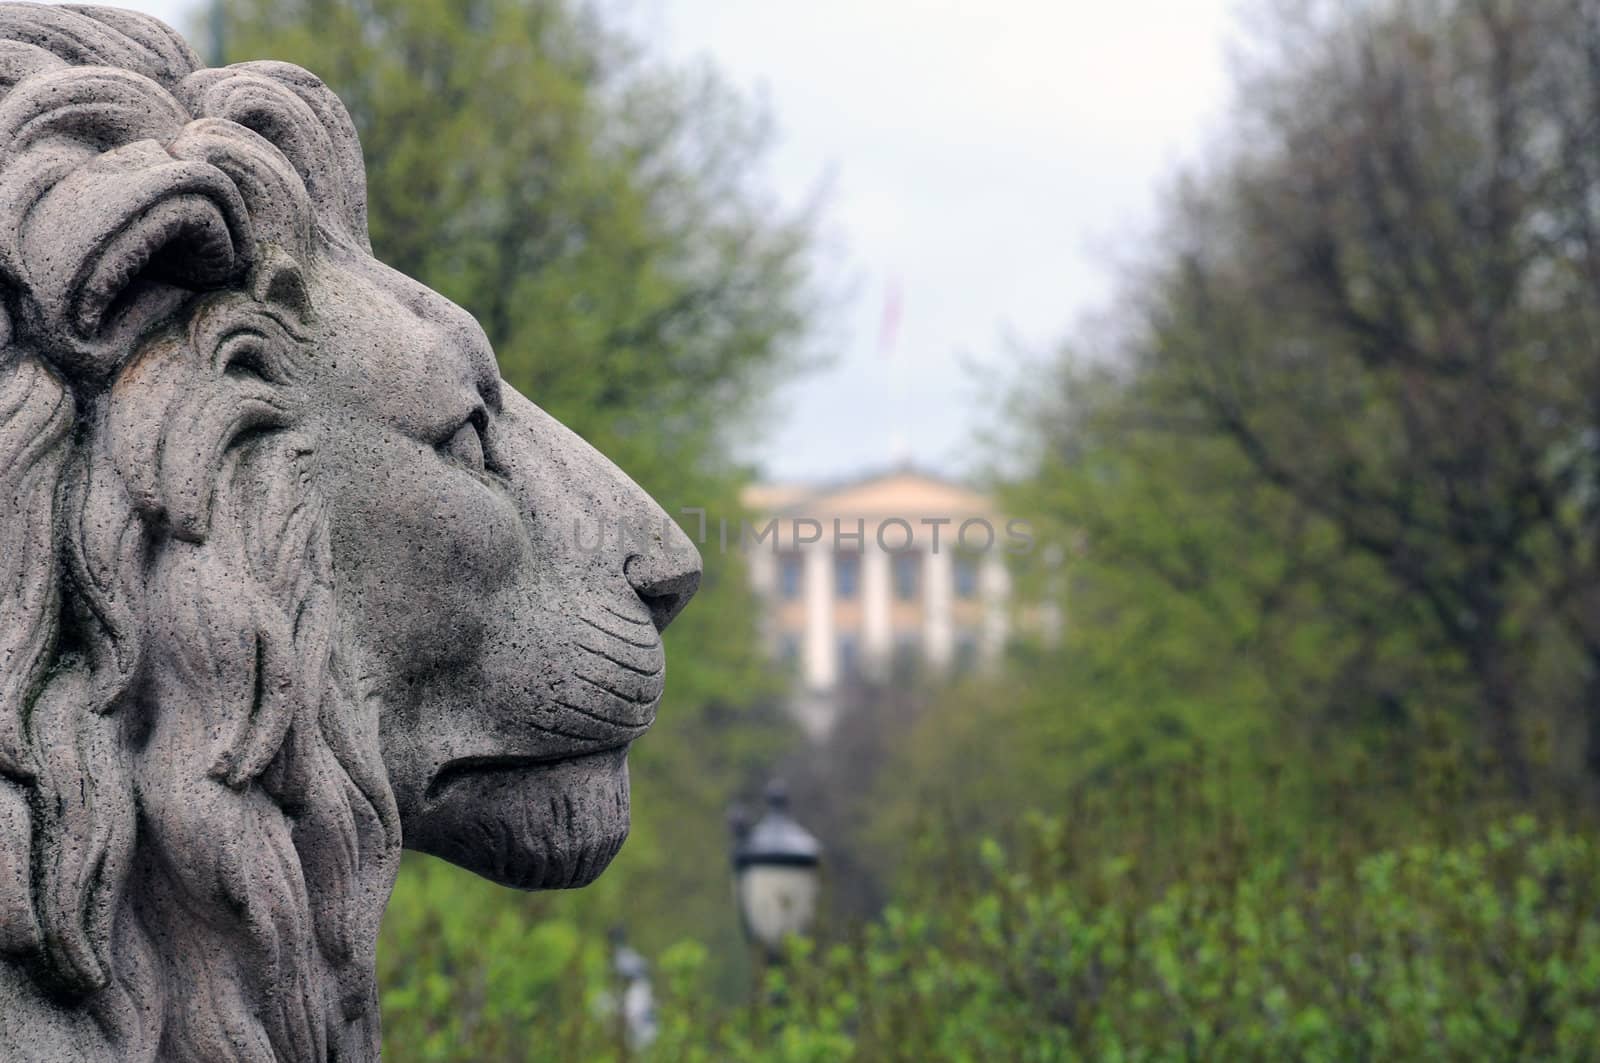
x: 993, y: 160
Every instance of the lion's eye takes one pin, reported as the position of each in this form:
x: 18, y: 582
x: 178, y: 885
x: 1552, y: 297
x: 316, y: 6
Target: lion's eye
x: 466, y: 446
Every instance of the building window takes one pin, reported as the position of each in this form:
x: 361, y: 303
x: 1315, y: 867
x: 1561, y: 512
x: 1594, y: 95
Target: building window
x: 788, y: 650
x: 966, y: 577
x: 907, y: 657
x: 849, y: 658
x: 907, y: 575
x: 966, y: 657
x: 790, y: 569
x: 846, y: 575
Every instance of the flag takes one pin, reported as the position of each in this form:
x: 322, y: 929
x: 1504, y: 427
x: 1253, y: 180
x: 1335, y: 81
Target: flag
x: 893, y: 304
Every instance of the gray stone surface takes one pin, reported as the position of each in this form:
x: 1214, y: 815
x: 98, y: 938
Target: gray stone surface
x: 289, y: 577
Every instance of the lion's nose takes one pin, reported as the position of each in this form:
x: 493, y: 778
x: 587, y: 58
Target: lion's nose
x: 667, y: 577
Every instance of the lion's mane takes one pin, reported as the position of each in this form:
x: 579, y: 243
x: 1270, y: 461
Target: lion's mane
x: 197, y: 835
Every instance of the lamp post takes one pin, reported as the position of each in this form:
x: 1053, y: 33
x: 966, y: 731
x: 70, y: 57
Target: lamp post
x: 635, y: 1000
x: 776, y: 873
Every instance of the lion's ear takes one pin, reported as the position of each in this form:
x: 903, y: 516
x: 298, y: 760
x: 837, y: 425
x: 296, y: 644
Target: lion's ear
x: 187, y: 401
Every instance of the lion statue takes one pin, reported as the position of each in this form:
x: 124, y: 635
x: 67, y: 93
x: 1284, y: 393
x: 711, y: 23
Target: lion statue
x: 288, y: 574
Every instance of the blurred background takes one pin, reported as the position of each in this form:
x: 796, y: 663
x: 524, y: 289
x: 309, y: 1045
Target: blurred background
x: 1263, y: 336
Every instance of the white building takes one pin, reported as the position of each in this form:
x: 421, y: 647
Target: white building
x: 879, y: 579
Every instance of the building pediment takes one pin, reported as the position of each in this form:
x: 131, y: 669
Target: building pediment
x: 907, y: 494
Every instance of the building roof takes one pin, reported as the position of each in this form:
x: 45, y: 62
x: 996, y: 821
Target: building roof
x: 904, y: 492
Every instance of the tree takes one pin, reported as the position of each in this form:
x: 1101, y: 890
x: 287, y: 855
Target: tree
x: 1377, y: 318
x: 595, y: 212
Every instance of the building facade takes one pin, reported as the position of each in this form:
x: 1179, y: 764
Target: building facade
x: 878, y: 580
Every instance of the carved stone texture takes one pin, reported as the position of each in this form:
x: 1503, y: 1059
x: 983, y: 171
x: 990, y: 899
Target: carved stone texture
x: 289, y: 577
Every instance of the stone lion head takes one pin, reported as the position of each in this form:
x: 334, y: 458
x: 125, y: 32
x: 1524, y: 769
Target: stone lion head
x: 289, y: 577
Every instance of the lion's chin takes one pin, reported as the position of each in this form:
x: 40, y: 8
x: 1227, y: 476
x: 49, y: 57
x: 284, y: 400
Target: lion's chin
x: 540, y: 826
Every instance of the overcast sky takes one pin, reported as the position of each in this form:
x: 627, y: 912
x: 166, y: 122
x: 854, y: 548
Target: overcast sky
x: 990, y: 159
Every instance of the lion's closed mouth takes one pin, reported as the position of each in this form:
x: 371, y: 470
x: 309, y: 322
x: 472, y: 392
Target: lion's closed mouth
x: 456, y: 770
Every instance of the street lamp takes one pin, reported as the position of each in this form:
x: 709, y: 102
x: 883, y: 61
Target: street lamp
x: 776, y: 873
x: 635, y: 1001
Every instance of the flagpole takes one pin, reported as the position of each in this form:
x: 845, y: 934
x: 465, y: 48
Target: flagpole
x: 888, y: 337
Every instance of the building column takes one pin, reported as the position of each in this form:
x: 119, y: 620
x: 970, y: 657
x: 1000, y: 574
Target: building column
x: 938, y: 588
x: 819, y: 654
x: 764, y: 581
x: 877, y: 640
x: 994, y: 588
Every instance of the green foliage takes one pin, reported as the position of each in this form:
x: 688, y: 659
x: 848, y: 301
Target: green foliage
x: 595, y: 212
x: 1204, y: 608
x: 1349, y: 418
x: 1063, y: 944
x: 1480, y: 949
x: 1325, y: 501
x: 447, y: 997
